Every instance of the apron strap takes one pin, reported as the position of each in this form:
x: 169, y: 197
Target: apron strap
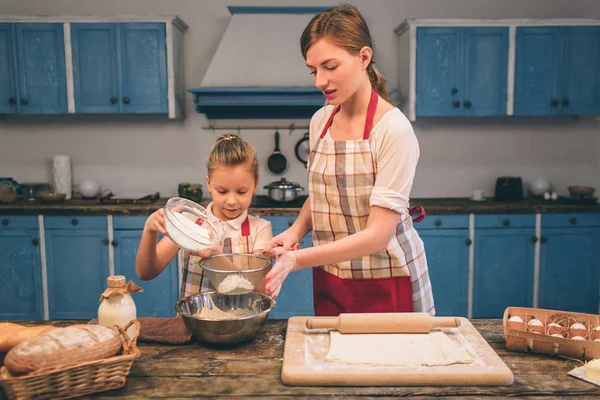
x: 369, y: 120
x: 246, y: 227
x: 417, y: 210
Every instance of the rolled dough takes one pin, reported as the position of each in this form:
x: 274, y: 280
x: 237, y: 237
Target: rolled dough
x: 433, y: 349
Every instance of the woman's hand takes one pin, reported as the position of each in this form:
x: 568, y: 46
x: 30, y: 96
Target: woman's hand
x: 156, y: 222
x: 207, y: 253
x: 286, y: 240
x: 285, y: 261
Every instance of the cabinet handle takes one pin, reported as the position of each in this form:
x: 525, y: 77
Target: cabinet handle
x: 534, y: 239
x: 467, y: 104
x: 4, y: 221
x: 290, y: 223
x: 113, y: 100
x: 24, y: 101
x: 565, y: 102
x: 12, y: 100
x: 35, y: 242
x: 455, y: 104
x: 105, y: 241
x: 74, y: 221
x: 437, y: 222
x: 126, y: 100
x: 543, y: 239
x: 114, y: 243
x: 554, y: 103
x: 454, y: 91
x: 573, y: 221
x: 506, y: 222
x: 468, y: 242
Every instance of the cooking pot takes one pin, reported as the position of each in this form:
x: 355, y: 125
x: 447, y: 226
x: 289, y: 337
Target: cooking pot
x: 282, y: 190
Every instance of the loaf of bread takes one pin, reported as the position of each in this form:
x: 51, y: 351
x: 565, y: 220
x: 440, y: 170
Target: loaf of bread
x: 61, y: 347
x: 13, y: 334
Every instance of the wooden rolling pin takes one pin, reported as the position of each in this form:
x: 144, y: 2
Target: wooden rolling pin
x: 383, y: 323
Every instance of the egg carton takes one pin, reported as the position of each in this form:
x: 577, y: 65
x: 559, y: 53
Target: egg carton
x: 564, y: 333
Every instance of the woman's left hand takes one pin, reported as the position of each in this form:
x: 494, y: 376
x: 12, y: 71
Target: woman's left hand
x: 285, y: 261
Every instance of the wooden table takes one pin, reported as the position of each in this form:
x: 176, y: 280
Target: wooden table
x: 254, y: 369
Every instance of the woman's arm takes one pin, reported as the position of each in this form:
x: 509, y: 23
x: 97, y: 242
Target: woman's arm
x: 380, y: 228
x: 302, y: 225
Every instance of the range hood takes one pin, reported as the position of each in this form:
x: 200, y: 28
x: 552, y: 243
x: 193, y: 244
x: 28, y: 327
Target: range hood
x: 258, y: 71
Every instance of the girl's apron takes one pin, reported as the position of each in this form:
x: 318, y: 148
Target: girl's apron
x: 341, y: 178
x: 193, y: 279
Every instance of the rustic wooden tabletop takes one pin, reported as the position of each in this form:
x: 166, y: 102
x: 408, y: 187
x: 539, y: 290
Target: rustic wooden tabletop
x: 254, y: 370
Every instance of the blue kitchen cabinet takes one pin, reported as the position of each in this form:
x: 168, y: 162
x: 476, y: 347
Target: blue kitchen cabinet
x: 569, y: 263
x: 160, y: 294
x: 461, y: 71
x: 77, y: 265
x: 557, y: 71
x: 41, y: 68
x: 8, y: 80
x: 296, y: 295
x: 20, y: 269
x: 447, y: 242
x: 95, y: 73
x: 504, y: 263
x: 119, y: 68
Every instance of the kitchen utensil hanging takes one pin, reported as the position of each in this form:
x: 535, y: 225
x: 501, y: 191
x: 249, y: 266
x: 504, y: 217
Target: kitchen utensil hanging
x: 302, y: 149
x: 277, y: 162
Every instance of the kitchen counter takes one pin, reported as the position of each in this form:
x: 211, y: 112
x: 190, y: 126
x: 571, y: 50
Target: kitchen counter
x: 254, y: 370
x: 432, y: 206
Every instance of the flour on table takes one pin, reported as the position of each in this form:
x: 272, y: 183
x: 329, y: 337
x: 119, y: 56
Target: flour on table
x: 433, y: 349
x: 235, y: 284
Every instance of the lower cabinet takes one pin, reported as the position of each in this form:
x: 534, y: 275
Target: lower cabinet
x: 159, y: 295
x: 296, y: 296
x: 76, y: 265
x: 20, y: 269
x: 446, y: 239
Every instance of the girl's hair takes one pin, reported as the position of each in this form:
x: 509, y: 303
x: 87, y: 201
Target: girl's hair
x: 231, y: 150
x: 347, y: 28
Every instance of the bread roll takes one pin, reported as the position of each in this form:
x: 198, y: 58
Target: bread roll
x: 13, y: 334
x: 63, y: 346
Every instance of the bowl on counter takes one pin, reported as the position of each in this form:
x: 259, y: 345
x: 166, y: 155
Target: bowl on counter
x: 577, y: 191
x: 224, y: 319
x: 52, y: 197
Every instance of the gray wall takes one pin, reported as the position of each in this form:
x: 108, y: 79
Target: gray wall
x: 135, y: 155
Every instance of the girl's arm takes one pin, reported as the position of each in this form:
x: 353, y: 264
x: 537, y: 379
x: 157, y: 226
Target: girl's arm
x: 152, y: 258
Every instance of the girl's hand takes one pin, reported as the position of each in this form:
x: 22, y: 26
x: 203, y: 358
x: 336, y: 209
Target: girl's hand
x: 156, y: 222
x: 285, y: 261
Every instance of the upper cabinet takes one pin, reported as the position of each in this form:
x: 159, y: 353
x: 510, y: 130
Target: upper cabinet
x: 461, y: 71
x: 498, y: 67
x: 119, y: 68
x: 557, y: 70
x: 32, y: 68
x: 102, y: 67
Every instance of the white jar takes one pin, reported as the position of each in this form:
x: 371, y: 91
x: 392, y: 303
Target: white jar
x: 118, y: 309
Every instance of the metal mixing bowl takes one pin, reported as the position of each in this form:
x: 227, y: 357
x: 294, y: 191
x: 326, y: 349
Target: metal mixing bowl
x: 252, y: 267
x: 231, y: 330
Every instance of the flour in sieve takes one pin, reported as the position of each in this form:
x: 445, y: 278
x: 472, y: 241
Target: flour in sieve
x: 188, y: 234
x: 235, y: 284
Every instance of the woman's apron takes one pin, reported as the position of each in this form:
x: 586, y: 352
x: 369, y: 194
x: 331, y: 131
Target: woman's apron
x: 341, y: 178
x: 193, y: 279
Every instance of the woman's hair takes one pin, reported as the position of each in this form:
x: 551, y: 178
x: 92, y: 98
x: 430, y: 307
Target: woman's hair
x: 347, y: 28
x: 231, y: 150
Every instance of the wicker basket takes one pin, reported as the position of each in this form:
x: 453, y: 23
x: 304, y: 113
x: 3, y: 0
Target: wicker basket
x: 78, y: 379
x: 522, y: 337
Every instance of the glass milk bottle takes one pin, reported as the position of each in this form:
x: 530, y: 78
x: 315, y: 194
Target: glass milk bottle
x: 116, y: 305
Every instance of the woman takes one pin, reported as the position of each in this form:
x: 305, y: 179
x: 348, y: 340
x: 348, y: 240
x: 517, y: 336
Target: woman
x: 361, y: 168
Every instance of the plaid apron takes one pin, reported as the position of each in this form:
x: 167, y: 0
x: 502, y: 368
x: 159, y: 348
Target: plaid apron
x: 193, y: 279
x: 341, y: 178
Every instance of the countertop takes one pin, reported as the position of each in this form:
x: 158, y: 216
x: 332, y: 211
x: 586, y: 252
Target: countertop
x: 254, y: 370
x: 432, y: 206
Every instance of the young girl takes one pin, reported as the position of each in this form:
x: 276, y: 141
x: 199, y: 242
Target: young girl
x: 232, y: 180
x: 360, y: 172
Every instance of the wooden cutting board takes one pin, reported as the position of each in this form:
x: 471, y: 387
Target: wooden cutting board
x: 304, y: 363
